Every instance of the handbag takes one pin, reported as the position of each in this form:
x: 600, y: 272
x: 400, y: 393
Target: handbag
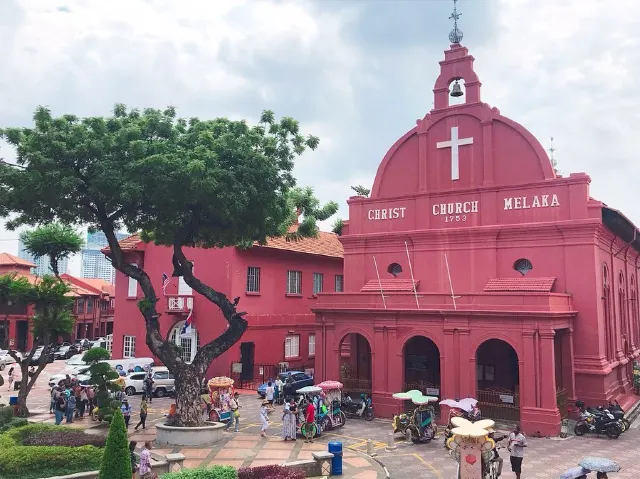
x: 236, y: 413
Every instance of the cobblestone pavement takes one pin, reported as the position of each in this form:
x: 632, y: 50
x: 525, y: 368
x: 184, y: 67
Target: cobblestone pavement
x: 545, y: 458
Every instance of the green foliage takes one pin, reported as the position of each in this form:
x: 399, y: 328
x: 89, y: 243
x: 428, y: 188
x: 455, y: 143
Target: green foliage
x: 270, y: 472
x: 361, y: 190
x: 53, y: 307
x: 102, y: 376
x: 54, y: 241
x: 18, y: 461
x: 215, y: 472
x: 116, y: 462
x: 303, y: 201
x: 8, y: 420
x: 66, y: 167
x: 337, y: 227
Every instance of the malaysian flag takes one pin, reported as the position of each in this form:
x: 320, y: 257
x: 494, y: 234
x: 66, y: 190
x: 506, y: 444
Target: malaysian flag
x: 165, y: 281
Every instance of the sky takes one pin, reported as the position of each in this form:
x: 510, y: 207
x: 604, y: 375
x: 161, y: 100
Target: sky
x: 356, y: 73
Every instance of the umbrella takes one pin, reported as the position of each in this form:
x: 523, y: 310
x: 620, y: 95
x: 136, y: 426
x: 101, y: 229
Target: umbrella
x: 309, y: 390
x: 574, y: 473
x: 328, y: 385
x: 466, y: 404
x: 408, y: 395
x: 220, y: 382
x: 599, y: 464
x: 422, y: 400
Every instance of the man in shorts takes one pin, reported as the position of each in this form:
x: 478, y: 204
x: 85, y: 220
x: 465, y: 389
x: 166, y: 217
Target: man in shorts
x: 517, y: 443
x: 269, y: 394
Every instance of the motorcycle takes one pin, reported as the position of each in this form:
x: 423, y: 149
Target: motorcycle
x: 358, y: 408
x: 617, y: 415
x: 603, y: 423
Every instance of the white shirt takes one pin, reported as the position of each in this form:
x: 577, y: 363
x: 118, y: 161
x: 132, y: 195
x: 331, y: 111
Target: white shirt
x: 269, y: 393
x: 516, y: 444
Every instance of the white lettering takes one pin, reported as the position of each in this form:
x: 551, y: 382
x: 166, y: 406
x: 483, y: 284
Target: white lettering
x: 383, y: 214
x: 526, y: 202
x: 466, y: 207
x: 434, y: 210
x: 370, y: 214
x: 377, y: 216
x: 458, y: 208
x: 402, y: 210
x: 387, y: 213
x: 474, y: 206
x: 455, y: 210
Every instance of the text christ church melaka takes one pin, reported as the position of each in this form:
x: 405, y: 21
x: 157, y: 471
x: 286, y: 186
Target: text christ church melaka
x: 474, y: 270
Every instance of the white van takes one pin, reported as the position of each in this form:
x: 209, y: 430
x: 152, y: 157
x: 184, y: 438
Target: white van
x: 131, y: 364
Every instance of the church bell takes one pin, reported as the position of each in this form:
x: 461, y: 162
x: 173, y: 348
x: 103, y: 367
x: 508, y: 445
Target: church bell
x: 456, y: 91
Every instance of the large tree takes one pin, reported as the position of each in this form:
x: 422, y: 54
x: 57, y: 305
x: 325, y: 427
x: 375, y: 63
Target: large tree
x: 215, y: 183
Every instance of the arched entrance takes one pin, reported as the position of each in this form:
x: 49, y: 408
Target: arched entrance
x: 355, y: 364
x: 421, y: 359
x: 187, y: 342
x: 498, y: 380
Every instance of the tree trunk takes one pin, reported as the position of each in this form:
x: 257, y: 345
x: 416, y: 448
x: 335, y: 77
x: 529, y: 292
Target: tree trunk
x: 188, y: 405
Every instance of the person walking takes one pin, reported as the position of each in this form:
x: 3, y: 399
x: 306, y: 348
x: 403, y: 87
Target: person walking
x: 516, y: 445
x: 60, y: 407
x: 54, y: 395
x: 269, y: 394
x: 145, y: 462
x: 10, y: 378
x: 279, y: 393
x: 143, y: 413
x: 264, y: 417
x: 134, y: 459
x: 84, y: 400
x: 148, y: 387
x: 234, y: 406
x: 310, y: 419
x: 71, y: 408
x: 289, y: 420
x: 126, y: 411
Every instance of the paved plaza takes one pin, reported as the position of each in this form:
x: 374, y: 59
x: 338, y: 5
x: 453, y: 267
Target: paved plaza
x: 545, y: 458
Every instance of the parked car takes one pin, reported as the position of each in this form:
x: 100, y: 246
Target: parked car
x: 75, y: 361
x: 163, y: 382
x: 80, y: 374
x: 66, y: 352
x: 62, y: 345
x: 5, y: 359
x: 297, y: 380
x: 39, y: 352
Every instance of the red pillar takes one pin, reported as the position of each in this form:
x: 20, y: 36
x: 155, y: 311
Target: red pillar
x: 387, y: 371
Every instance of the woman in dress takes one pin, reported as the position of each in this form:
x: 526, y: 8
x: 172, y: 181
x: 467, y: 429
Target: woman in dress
x: 145, y: 462
x: 10, y: 378
x: 264, y: 417
x: 289, y: 420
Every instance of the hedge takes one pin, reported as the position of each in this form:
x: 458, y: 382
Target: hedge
x: 215, y: 472
x: 270, y: 472
x: 34, y: 462
x: 116, y: 461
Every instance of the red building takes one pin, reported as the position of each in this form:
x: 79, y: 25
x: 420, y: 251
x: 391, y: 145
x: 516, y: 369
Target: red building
x: 474, y: 270
x: 276, y: 283
x: 92, y: 307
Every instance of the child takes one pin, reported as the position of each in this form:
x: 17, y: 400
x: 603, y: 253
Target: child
x: 264, y: 417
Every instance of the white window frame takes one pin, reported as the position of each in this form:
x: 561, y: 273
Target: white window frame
x: 292, y: 346
x: 339, y: 283
x: 318, y: 283
x: 253, y: 279
x: 174, y: 337
x: 129, y: 347
x: 312, y: 344
x: 132, y: 292
x: 294, y: 282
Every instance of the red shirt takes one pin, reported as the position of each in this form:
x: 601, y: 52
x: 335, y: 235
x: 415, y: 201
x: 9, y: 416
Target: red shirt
x: 311, y: 413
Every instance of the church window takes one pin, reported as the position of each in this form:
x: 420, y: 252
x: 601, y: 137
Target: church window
x: 622, y: 301
x: 523, y: 266
x: 395, y: 269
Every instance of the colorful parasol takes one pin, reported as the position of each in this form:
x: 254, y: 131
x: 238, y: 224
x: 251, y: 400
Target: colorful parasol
x: 220, y: 382
x: 466, y: 404
x: 329, y: 385
x: 408, y: 396
x: 309, y: 390
x: 599, y: 464
x: 575, y: 473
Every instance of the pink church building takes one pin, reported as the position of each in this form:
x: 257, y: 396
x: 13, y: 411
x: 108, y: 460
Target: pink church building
x: 473, y: 269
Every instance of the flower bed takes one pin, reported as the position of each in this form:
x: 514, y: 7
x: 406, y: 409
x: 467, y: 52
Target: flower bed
x: 226, y: 472
x: 21, y: 461
x: 214, y: 472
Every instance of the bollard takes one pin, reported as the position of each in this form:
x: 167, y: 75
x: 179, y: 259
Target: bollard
x: 391, y: 445
x: 370, y: 450
x: 335, y: 448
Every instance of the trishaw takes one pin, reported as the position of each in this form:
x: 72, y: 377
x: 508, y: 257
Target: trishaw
x: 465, y: 408
x: 309, y: 394
x: 419, y: 423
x: 220, y: 391
x: 475, y: 436
x: 331, y: 397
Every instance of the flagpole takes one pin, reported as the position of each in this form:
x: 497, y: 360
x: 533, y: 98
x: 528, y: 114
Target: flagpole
x: 413, y: 282
x: 379, y: 282
x: 450, y: 283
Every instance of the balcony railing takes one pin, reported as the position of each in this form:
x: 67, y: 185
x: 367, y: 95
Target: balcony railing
x: 179, y: 303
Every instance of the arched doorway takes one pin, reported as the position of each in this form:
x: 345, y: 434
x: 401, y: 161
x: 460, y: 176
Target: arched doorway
x: 355, y: 364
x: 498, y: 380
x: 421, y: 359
x: 188, y: 343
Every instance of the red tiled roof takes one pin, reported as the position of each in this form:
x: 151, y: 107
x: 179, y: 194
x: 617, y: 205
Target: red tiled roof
x: 524, y: 284
x: 7, y: 259
x: 389, y: 285
x: 325, y: 244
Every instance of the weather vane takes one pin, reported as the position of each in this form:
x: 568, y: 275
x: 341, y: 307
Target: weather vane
x: 455, y: 35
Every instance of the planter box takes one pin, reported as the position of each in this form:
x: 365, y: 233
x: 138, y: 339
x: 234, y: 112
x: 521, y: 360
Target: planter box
x: 189, y: 436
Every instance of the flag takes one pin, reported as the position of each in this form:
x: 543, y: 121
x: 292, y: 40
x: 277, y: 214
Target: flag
x: 187, y: 331
x: 165, y: 281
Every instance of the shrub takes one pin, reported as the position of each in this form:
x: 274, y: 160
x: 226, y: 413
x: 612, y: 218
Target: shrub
x: 67, y: 437
x: 270, y: 472
x: 6, y: 414
x: 116, y: 461
x: 15, y: 422
x: 22, y: 462
x: 215, y: 472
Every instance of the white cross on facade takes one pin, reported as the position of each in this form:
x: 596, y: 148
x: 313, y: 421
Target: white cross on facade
x: 454, y: 143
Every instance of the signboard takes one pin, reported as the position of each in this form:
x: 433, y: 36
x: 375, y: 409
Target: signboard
x: 433, y: 392
x: 236, y: 368
x: 386, y: 213
x: 470, y: 460
x: 506, y: 398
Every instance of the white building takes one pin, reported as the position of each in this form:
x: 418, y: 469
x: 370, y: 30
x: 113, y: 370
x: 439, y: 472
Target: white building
x: 42, y: 264
x: 94, y: 263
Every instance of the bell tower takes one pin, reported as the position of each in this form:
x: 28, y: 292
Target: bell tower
x: 457, y: 65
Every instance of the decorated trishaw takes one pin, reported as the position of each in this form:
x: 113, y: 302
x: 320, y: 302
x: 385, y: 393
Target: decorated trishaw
x: 472, y: 446
x: 418, y: 424
x: 309, y: 394
x: 220, y: 391
x: 330, y: 414
x: 466, y: 408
